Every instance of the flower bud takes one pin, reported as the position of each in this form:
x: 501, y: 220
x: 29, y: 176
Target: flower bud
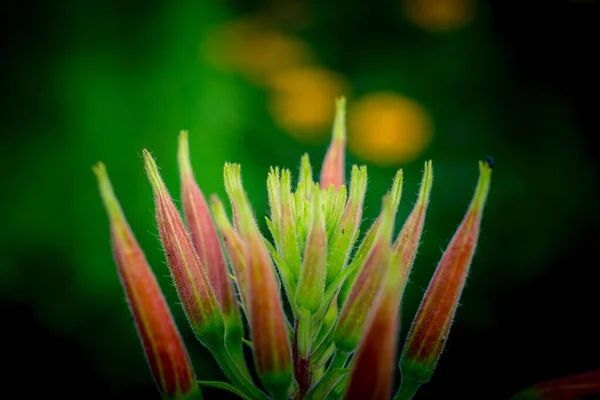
x: 163, y: 346
x: 357, y: 311
x: 369, y: 239
x: 347, y: 229
x: 236, y: 250
x: 332, y: 172
x: 407, y: 242
x: 193, y: 287
x: 270, y: 340
x: 290, y: 250
x: 311, y: 285
x: 431, y: 325
x: 205, y: 239
x: 578, y: 386
x: 373, y: 364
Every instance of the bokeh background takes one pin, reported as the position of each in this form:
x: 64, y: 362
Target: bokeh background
x: 254, y: 82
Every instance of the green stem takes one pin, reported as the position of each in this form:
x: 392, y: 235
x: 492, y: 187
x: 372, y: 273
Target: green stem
x: 304, y: 332
x: 334, y: 373
x: 234, y: 374
x: 408, y: 389
x: 237, y: 355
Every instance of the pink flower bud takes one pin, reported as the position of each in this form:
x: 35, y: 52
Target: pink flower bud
x: 332, y: 172
x: 373, y: 365
x: 164, y: 348
x: 568, y: 388
x: 431, y: 325
x: 193, y: 287
x: 270, y: 340
x: 357, y: 310
x: 204, y: 235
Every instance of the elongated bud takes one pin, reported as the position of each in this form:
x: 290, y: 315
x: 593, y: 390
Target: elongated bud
x: 271, y: 345
x: 369, y: 239
x: 357, y: 311
x: 289, y: 239
x: 193, y: 287
x: 311, y: 285
x: 164, y: 348
x: 347, y: 229
x: 236, y: 249
x: 332, y: 172
x: 373, y: 365
x: 431, y: 325
x: 407, y: 243
x: 571, y: 387
x: 204, y: 235
x: 274, y: 193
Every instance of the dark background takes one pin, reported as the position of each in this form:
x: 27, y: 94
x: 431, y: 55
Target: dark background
x: 90, y: 81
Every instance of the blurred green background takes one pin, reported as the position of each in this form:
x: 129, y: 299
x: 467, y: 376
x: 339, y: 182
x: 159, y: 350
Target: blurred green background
x: 254, y: 82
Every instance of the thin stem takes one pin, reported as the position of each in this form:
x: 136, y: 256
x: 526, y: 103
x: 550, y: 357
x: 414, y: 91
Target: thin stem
x: 408, y: 389
x: 234, y: 374
x: 304, y: 333
x: 331, y: 377
x: 236, y: 352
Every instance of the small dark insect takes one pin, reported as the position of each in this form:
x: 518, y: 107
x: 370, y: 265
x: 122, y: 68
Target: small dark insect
x: 490, y: 160
x: 343, y: 231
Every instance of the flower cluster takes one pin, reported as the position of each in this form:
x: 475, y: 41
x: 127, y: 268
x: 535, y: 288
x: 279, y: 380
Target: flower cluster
x: 336, y: 333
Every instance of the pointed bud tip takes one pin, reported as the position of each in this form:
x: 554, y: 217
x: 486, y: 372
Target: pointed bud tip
x: 111, y: 203
x: 339, y: 132
x: 153, y: 174
x: 99, y: 170
x: 183, y: 153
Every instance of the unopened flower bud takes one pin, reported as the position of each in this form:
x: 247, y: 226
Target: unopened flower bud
x: 579, y: 386
x: 204, y: 237
x: 270, y: 340
x: 193, y: 287
x: 431, y: 326
x: 357, y: 311
x: 332, y: 172
x: 163, y: 346
x: 346, y: 231
x: 311, y: 285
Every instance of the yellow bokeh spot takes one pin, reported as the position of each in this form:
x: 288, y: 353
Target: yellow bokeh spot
x: 302, y: 103
x: 252, y: 47
x: 439, y: 15
x: 387, y: 128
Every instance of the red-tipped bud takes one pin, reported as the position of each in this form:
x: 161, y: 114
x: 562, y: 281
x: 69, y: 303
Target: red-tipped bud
x: 431, y: 325
x: 332, y: 172
x: 193, y: 287
x: 572, y: 387
x: 270, y: 340
x: 204, y: 235
x: 367, y: 242
x: 164, y: 348
x: 407, y: 243
x: 236, y: 250
x: 357, y: 311
x: 373, y: 365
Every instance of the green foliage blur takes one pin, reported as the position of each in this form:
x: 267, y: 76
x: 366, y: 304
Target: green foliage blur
x: 103, y: 80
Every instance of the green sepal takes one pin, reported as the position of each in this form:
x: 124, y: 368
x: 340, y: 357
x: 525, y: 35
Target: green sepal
x: 346, y: 232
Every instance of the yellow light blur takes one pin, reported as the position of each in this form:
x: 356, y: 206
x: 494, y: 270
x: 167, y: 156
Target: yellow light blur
x: 255, y: 49
x: 387, y: 128
x: 302, y: 103
x: 439, y: 15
